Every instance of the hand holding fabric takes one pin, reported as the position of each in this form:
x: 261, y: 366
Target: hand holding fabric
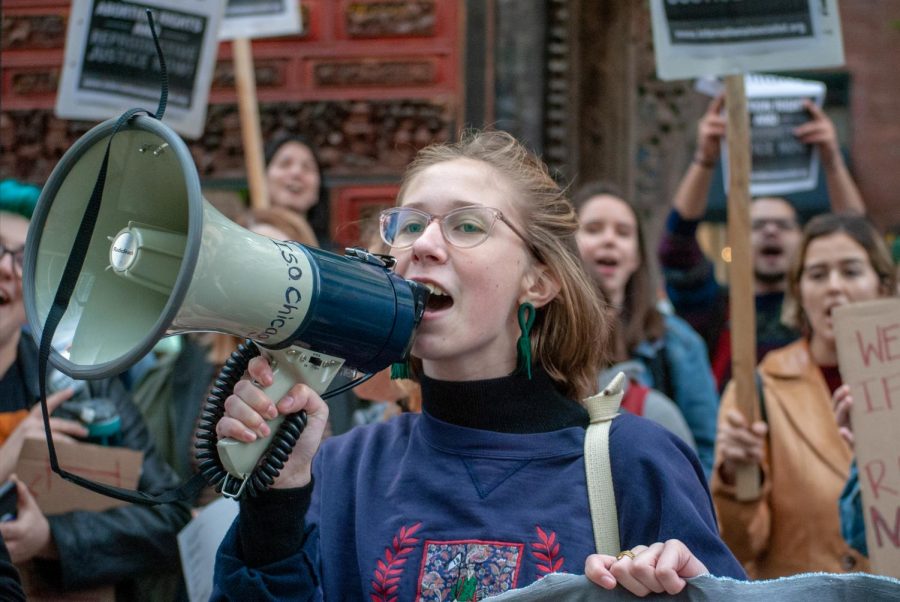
x: 659, y: 568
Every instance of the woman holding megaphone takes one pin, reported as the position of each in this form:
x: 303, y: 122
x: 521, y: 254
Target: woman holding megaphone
x: 485, y: 490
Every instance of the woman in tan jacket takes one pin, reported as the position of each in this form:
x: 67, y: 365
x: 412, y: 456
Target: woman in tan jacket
x: 793, y: 526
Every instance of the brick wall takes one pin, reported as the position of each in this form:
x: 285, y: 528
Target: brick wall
x: 370, y: 81
x: 872, y: 47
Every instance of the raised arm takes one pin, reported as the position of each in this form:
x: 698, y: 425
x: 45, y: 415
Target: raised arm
x: 842, y: 190
x: 690, y: 197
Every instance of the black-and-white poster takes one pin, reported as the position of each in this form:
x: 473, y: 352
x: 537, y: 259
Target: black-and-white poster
x: 696, y: 38
x: 111, y: 62
x: 260, y: 19
x: 780, y: 163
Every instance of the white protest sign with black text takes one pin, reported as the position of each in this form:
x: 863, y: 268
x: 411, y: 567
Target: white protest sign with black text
x: 111, y: 64
x: 780, y: 162
x: 868, y: 338
x: 260, y: 19
x: 697, y: 38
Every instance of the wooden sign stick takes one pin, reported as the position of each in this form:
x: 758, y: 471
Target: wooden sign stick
x: 245, y: 82
x: 742, y: 298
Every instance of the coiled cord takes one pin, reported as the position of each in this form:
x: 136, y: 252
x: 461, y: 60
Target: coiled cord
x: 271, y: 463
x: 279, y: 450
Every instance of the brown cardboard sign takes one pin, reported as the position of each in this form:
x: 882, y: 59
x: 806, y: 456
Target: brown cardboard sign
x: 868, y: 336
x: 115, y: 466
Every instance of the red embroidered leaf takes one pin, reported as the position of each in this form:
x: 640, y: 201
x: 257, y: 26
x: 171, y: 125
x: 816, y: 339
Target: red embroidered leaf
x: 413, y: 529
x: 557, y: 564
x: 552, y: 539
x: 393, y: 572
x: 392, y: 590
x: 374, y: 598
x: 555, y: 551
x: 543, y: 569
x: 394, y: 599
x: 398, y: 562
x: 381, y: 565
x: 388, y: 555
x: 541, y: 557
x: 542, y: 535
x: 392, y: 581
x: 403, y: 551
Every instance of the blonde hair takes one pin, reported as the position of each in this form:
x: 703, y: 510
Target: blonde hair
x: 570, y: 335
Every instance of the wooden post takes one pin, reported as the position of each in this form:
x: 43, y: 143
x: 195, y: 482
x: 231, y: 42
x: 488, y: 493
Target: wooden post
x: 742, y: 294
x: 245, y: 82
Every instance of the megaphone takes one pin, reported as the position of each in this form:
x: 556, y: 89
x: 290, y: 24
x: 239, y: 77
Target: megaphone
x: 162, y: 260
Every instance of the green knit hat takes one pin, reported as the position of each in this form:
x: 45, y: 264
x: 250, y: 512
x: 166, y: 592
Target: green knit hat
x: 18, y: 197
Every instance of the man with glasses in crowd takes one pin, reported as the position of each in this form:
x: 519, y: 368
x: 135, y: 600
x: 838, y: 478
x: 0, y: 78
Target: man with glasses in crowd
x: 775, y: 234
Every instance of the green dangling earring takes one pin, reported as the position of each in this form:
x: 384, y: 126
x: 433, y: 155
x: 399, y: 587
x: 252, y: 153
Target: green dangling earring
x: 400, y: 370
x: 526, y: 321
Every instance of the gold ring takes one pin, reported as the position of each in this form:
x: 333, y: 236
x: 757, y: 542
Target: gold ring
x: 625, y: 553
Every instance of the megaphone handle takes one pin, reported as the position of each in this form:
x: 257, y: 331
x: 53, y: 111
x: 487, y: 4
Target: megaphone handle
x: 289, y: 366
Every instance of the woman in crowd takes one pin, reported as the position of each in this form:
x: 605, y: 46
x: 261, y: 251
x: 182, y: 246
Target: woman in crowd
x: 294, y: 181
x: 673, y: 356
x: 484, y: 490
x: 793, y: 525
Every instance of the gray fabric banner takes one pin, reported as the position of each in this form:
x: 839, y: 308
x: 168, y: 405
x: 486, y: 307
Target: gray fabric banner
x: 812, y: 587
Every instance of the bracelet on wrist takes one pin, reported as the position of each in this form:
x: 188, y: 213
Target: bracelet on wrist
x: 703, y: 162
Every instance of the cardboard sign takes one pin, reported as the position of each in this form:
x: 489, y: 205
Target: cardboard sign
x: 696, y: 38
x: 115, y: 466
x: 111, y: 62
x: 868, y: 336
x: 260, y: 19
x: 780, y: 163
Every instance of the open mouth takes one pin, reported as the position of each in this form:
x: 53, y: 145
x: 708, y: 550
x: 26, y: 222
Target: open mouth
x: 4, y: 298
x: 771, y: 251
x: 439, y: 299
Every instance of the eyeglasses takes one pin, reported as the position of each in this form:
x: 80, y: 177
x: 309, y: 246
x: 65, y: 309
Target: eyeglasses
x: 464, y: 228
x: 18, y: 255
x: 782, y: 224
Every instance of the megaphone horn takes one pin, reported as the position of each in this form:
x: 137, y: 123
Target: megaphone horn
x: 163, y: 260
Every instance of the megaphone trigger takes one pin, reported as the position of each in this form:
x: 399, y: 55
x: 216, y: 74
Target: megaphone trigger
x: 289, y: 366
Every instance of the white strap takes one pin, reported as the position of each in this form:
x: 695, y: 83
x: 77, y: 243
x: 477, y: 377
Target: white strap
x: 602, y: 408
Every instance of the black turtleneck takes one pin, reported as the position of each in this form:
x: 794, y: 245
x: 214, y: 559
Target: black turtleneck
x: 511, y: 404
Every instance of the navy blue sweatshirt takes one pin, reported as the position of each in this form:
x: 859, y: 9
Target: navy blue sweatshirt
x: 483, y: 492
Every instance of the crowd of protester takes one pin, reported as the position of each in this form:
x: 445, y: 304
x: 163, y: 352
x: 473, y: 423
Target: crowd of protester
x: 432, y: 468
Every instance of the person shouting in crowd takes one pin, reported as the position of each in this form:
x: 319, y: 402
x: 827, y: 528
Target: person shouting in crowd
x: 132, y: 547
x: 793, y: 526
x: 674, y: 357
x: 775, y: 232
x: 485, y: 489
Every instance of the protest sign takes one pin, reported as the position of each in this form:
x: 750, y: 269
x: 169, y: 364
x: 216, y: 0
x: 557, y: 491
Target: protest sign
x: 119, y: 467
x: 116, y: 466
x: 696, y: 38
x: 868, y: 339
x: 780, y: 163
x: 260, y: 19
x: 111, y: 62
x: 198, y: 543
